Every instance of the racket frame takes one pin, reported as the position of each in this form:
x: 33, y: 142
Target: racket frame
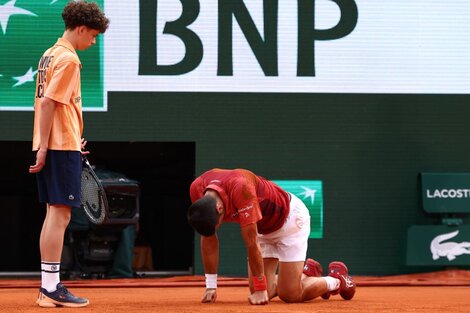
x: 86, y: 166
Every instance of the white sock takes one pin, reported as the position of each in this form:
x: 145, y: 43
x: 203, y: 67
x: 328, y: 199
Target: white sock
x: 50, y: 275
x: 332, y: 283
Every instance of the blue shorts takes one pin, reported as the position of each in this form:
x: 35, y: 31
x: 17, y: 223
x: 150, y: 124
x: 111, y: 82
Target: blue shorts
x: 59, y: 182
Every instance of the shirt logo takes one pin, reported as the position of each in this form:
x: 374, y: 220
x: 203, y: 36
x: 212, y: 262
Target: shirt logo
x: 249, y: 207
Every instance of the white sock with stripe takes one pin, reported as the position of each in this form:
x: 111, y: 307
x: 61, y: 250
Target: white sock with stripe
x: 50, y: 275
x: 332, y: 283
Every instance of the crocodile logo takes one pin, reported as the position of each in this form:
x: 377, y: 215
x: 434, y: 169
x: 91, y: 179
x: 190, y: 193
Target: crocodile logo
x: 451, y: 250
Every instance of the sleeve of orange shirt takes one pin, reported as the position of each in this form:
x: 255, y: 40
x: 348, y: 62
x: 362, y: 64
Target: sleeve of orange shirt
x: 63, y: 81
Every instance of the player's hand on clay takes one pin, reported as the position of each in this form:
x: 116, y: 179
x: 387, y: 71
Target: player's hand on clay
x: 259, y: 297
x: 210, y: 295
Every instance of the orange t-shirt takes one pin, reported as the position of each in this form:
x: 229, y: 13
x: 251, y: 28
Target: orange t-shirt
x: 58, y: 78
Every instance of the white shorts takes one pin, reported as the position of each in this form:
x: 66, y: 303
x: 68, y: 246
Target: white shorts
x: 290, y: 242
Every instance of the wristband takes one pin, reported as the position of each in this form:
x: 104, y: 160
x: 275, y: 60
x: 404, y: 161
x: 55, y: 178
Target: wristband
x: 259, y: 283
x: 211, y: 281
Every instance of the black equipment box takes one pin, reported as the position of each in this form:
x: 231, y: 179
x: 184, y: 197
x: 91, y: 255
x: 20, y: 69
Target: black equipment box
x: 123, y: 195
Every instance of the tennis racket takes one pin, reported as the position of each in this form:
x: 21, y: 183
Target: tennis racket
x: 92, y: 197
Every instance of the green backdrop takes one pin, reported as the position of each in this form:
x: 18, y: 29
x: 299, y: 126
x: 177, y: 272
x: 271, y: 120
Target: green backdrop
x: 366, y: 149
x: 27, y: 37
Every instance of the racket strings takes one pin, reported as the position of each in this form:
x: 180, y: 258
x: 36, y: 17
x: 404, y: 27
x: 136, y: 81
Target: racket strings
x: 92, y: 198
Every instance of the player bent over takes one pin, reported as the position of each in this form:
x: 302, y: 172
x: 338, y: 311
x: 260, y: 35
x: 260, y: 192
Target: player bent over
x: 57, y: 141
x: 275, y: 226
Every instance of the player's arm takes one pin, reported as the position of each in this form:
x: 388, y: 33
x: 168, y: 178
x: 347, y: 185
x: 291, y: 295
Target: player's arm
x: 210, y: 260
x: 46, y: 116
x: 255, y: 261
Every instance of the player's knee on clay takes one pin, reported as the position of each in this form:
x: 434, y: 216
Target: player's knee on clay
x: 289, y: 297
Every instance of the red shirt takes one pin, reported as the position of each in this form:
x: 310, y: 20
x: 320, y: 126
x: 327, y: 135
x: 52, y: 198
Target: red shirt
x: 247, y: 198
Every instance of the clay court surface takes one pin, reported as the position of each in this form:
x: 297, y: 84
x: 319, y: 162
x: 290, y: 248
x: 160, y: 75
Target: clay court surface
x: 447, y: 291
